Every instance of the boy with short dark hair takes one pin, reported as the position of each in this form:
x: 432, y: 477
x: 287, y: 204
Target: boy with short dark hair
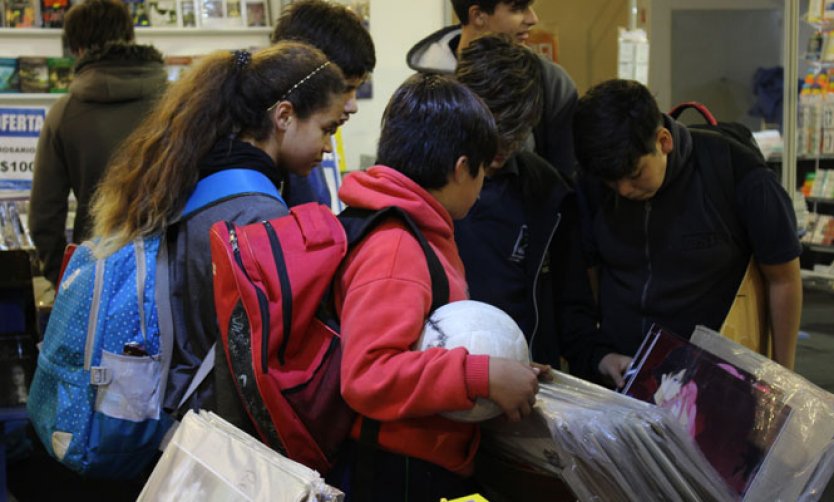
x: 520, y: 242
x: 671, y: 240
x: 340, y: 34
x: 436, y: 138
x: 439, y: 53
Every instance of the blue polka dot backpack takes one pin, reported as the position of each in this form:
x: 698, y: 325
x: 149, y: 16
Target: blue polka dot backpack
x: 96, y: 398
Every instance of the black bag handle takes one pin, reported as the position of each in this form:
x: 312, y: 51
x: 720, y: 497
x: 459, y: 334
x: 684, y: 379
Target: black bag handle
x: 358, y: 225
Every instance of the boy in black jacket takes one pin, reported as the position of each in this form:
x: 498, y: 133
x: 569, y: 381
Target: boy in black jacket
x: 520, y: 242
x: 666, y: 248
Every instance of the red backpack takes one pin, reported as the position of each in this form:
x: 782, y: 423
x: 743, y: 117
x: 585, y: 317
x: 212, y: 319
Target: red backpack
x: 272, y: 283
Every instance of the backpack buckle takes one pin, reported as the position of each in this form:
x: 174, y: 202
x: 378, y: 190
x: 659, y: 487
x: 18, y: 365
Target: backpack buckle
x: 100, y: 375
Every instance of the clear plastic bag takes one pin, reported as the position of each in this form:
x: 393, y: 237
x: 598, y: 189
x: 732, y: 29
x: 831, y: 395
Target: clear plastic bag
x: 208, y: 459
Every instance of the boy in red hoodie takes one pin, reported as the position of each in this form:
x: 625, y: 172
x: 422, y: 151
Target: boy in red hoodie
x: 436, y: 138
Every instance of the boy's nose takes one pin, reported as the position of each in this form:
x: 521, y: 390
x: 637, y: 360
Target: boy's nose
x: 624, y: 188
x: 531, y: 18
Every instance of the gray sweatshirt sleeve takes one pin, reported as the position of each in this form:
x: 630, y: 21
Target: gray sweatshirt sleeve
x: 554, y: 134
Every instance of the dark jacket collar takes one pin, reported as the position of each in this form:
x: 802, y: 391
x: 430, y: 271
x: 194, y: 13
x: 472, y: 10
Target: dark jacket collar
x: 678, y: 158
x: 120, y: 51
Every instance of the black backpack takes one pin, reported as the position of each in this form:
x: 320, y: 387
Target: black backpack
x: 734, y: 130
x: 712, y: 156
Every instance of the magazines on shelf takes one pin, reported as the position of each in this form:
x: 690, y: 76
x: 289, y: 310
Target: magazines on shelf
x: 52, y: 13
x: 33, y: 73
x: 220, y: 14
x: 188, y: 14
x: 21, y: 13
x: 14, y: 233
x: 163, y: 13
x: 139, y: 12
x: 60, y: 74
x: 8, y: 75
x: 257, y: 13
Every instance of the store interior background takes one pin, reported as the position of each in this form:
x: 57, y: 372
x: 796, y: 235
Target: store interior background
x: 703, y: 50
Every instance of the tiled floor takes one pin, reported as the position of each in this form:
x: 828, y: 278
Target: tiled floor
x: 815, y: 350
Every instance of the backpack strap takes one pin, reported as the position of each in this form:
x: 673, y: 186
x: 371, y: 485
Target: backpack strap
x: 214, y: 188
x: 206, y: 365
x: 358, y: 224
x: 719, y: 176
x: 165, y: 319
x: 229, y: 183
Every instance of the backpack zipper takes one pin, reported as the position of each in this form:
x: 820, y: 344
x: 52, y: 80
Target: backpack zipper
x: 286, y: 290
x: 263, y: 305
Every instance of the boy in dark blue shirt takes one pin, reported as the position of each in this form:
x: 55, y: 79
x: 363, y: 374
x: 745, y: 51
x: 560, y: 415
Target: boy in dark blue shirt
x: 669, y: 241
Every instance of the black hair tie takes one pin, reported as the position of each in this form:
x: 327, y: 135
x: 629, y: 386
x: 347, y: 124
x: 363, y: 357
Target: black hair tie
x: 242, y: 58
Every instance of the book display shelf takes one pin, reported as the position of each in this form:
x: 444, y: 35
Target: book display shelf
x: 815, y: 147
x: 35, y: 67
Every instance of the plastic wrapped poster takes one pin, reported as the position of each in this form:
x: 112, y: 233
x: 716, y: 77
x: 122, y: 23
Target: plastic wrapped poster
x: 763, y: 428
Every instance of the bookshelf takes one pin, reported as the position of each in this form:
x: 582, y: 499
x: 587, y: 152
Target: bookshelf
x: 15, y: 42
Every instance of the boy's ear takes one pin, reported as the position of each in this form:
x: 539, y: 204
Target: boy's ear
x: 667, y: 144
x: 282, y: 115
x: 476, y: 16
x: 461, y: 173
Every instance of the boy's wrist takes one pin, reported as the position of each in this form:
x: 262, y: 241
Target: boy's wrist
x: 476, y: 374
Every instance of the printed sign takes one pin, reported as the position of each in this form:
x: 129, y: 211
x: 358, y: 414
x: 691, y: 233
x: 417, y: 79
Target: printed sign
x: 19, y: 131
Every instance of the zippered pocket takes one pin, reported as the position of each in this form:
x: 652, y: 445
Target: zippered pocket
x: 263, y: 304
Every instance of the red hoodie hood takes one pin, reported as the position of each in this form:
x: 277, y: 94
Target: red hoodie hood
x: 381, y: 186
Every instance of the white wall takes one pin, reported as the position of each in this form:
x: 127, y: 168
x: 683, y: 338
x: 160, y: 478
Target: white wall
x: 396, y: 25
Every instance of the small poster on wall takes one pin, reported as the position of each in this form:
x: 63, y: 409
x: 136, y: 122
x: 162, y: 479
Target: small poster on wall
x: 19, y: 130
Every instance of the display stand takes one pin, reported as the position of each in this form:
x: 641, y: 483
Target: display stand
x: 7, y: 416
x: 815, y: 153
x: 18, y: 332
